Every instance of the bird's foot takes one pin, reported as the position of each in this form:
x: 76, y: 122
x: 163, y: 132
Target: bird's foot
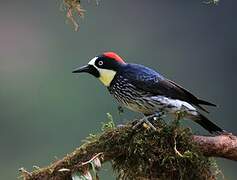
x: 148, y: 123
x: 145, y: 121
x: 137, y: 123
x: 155, y: 116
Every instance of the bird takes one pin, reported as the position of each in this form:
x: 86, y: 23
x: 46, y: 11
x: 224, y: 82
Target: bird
x: 144, y: 90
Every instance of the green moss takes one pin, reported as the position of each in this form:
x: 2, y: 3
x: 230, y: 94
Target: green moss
x: 151, y: 154
x: 142, y: 153
x: 108, y: 125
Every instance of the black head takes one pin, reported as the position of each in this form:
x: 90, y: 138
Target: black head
x: 103, y: 67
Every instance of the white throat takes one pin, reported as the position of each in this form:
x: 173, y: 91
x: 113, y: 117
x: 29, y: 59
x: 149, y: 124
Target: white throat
x: 106, y: 76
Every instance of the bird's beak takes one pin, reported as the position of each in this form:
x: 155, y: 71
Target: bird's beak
x: 88, y: 69
x: 85, y: 68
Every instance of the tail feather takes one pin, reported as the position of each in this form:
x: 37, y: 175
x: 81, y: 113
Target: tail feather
x: 202, y: 108
x: 207, y: 124
x: 200, y: 101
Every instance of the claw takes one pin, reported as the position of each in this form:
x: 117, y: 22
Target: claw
x: 156, y: 116
x: 145, y: 121
x: 140, y: 121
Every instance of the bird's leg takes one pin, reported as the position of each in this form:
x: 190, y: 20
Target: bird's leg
x: 144, y: 120
x: 138, y: 123
x: 149, y: 119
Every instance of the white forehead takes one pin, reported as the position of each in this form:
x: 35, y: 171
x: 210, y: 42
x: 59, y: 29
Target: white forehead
x: 92, y: 61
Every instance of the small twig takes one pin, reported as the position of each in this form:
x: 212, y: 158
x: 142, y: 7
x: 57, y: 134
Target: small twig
x: 175, y: 147
x: 92, y: 159
x: 25, y: 173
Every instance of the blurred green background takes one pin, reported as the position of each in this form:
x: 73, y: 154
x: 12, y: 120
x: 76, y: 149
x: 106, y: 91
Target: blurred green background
x: 45, y: 110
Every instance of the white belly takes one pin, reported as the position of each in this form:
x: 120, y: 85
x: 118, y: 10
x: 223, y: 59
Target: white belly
x: 154, y: 104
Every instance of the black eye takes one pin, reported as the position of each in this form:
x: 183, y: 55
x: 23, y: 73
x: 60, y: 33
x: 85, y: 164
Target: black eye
x: 100, y: 63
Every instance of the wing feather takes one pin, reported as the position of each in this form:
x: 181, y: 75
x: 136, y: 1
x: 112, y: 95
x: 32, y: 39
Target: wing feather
x: 150, y: 81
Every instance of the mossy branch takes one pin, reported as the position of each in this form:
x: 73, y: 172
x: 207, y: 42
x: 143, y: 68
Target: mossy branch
x: 171, y: 152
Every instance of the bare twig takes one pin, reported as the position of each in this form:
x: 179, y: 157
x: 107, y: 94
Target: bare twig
x: 92, y: 159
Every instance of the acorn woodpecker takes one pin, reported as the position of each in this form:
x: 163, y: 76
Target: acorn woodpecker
x: 144, y: 90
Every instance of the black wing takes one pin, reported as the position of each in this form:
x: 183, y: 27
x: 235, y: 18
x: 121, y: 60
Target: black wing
x: 150, y: 81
